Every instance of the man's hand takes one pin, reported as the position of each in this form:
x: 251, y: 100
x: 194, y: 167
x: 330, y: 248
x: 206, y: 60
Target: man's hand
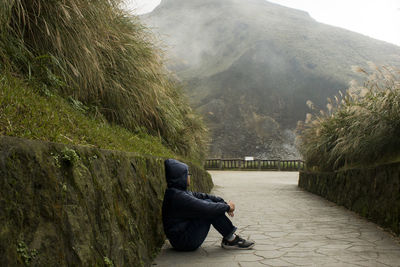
x: 232, y: 208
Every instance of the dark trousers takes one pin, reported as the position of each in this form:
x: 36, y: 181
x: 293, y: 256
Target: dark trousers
x: 198, y: 229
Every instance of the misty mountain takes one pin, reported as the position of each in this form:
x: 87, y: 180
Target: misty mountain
x: 250, y: 66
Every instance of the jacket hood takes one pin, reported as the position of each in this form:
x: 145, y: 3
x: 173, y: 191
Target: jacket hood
x: 176, y: 173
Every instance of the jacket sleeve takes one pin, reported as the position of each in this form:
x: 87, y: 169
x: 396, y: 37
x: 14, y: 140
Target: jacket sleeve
x: 207, y: 196
x: 187, y: 205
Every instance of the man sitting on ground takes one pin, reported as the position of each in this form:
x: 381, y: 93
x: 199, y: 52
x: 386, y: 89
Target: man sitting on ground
x: 187, y: 216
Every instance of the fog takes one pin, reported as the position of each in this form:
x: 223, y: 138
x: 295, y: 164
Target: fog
x: 217, y: 29
x: 379, y: 19
x: 249, y: 66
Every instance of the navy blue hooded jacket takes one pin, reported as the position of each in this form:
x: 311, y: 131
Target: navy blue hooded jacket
x: 181, y: 206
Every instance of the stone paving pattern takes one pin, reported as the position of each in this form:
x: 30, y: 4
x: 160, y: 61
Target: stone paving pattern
x: 291, y: 227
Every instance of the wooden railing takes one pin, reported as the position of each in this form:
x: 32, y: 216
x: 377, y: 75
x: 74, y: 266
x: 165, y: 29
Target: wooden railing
x: 256, y: 164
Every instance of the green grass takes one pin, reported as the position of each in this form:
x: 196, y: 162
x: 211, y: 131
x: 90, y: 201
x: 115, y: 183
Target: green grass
x: 98, y: 54
x: 360, y: 128
x: 27, y: 112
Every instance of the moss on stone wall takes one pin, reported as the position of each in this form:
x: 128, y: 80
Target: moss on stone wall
x: 373, y: 193
x: 79, y: 206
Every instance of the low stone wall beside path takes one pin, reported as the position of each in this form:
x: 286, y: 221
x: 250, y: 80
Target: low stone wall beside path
x: 371, y: 192
x: 81, y: 206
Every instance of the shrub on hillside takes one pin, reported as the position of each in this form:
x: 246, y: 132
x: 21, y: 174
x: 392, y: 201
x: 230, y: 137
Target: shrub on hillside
x: 361, y: 127
x: 102, y: 56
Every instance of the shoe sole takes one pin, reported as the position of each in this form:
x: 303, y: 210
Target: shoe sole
x: 237, y: 248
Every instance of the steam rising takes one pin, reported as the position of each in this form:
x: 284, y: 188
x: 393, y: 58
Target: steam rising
x: 252, y: 64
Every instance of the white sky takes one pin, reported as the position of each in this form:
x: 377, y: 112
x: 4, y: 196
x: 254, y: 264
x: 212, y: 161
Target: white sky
x: 379, y: 19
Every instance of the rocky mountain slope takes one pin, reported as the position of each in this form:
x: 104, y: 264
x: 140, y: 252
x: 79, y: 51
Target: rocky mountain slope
x: 250, y: 66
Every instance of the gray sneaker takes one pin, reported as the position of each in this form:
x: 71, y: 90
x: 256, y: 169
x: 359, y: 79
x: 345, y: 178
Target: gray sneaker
x: 237, y: 243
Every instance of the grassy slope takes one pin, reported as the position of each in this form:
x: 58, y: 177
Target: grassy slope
x: 358, y: 129
x: 93, y: 52
x: 27, y: 113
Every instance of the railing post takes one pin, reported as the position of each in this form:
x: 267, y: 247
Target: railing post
x: 279, y: 164
x: 298, y: 165
x: 220, y: 164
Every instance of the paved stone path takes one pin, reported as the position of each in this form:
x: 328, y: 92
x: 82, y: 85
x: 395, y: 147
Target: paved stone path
x: 291, y: 227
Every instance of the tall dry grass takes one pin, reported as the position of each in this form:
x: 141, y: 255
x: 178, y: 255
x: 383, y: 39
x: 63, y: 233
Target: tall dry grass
x: 360, y: 127
x: 95, y: 52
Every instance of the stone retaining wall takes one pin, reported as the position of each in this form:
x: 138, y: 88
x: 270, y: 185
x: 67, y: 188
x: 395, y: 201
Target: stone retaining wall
x: 373, y: 193
x: 80, y: 206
